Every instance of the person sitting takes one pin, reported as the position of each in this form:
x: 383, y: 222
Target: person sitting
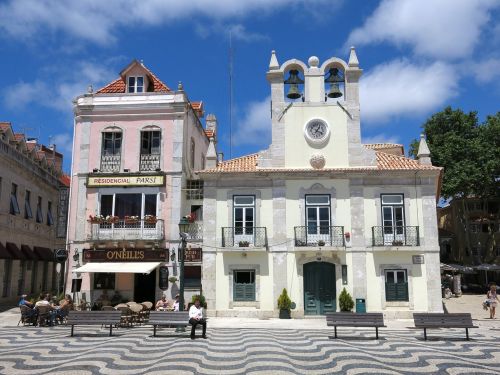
x: 43, y: 300
x: 28, y: 312
x: 176, y: 303
x: 196, y: 317
x: 116, y: 299
x: 64, y: 308
x: 23, y: 301
x: 162, y: 304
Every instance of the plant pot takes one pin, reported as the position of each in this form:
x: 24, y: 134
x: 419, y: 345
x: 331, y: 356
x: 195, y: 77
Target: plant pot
x: 285, y: 314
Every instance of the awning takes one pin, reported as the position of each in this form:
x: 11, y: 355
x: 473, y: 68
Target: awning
x: 123, y: 267
x: 14, y: 251
x: 4, y: 254
x: 44, y: 253
x: 28, y: 253
x: 487, y: 267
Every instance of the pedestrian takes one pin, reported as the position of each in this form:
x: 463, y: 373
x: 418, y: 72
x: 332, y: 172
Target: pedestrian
x: 492, y: 299
x: 196, y: 317
x: 176, y: 303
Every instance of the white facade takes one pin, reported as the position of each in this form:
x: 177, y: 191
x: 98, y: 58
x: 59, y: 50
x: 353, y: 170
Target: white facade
x: 318, y: 211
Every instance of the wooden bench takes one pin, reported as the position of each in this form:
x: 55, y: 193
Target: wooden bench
x: 168, y: 318
x: 346, y: 319
x: 94, y: 318
x: 440, y: 320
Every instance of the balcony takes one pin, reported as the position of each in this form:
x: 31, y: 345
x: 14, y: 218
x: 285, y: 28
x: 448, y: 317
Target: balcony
x: 110, y: 163
x: 244, y: 237
x: 332, y: 236
x: 149, y: 162
x: 195, y: 232
x: 395, y: 236
x: 126, y: 230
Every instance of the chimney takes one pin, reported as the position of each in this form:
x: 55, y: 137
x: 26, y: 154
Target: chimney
x: 211, y: 126
x: 424, y: 154
x: 211, y: 156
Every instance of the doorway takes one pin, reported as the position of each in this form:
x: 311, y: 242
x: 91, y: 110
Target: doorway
x: 319, y: 288
x: 145, y: 287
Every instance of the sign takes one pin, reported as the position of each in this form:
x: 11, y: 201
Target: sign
x: 126, y: 180
x: 192, y: 255
x: 125, y: 255
x: 163, y: 279
x: 60, y: 255
x: 418, y: 259
x: 62, y: 212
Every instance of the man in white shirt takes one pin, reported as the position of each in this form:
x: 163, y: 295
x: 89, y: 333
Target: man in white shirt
x: 196, y: 317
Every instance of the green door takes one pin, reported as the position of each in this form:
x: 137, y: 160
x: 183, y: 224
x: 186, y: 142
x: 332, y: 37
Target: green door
x: 319, y: 288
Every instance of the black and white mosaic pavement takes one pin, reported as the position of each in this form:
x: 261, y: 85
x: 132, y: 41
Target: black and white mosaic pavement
x: 50, y: 350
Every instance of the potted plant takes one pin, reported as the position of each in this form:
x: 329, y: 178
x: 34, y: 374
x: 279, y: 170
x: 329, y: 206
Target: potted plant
x: 347, y: 236
x: 96, y: 219
x: 284, y: 304
x: 397, y: 243
x: 201, y: 297
x: 172, y: 279
x: 191, y: 217
x: 321, y: 243
x: 346, y: 303
x: 131, y: 219
x: 150, y: 219
x: 243, y: 244
x: 110, y: 219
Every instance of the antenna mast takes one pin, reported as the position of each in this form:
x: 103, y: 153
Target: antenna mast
x: 230, y: 95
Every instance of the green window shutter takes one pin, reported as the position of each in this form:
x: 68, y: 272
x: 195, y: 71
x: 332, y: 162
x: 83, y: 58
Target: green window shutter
x: 390, y: 292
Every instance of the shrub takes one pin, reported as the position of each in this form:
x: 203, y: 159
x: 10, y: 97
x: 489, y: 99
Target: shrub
x: 284, y: 302
x: 201, y: 297
x: 172, y: 279
x: 346, y: 302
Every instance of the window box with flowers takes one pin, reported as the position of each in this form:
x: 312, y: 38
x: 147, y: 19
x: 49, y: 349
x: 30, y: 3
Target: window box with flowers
x: 191, y: 217
x: 131, y: 219
x: 97, y: 219
x: 150, y: 219
x: 347, y: 236
x: 110, y: 219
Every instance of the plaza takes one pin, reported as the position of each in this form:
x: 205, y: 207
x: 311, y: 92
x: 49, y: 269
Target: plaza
x: 254, y: 346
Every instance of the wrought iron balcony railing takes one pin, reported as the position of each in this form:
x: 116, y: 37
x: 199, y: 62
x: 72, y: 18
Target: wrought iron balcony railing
x: 319, y: 236
x: 149, y: 162
x: 195, y: 231
x: 244, y: 237
x: 395, y: 236
x: 110, y: 163
x: 127, y: 230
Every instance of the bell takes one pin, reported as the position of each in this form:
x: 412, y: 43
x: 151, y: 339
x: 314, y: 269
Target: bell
x: 294, y: 92
x: 334, y: 91
x: 293, y: 80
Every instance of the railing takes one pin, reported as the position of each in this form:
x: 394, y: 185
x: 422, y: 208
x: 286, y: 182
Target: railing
x: 244, y: 237
x: 395, y: 236
x: 149, y: 162
x: 127, y: 230
x: 319, y: 236
x: 195, y: 231
x: 110, y: 163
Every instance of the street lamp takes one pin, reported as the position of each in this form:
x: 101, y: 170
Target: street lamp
x: 183, y: 228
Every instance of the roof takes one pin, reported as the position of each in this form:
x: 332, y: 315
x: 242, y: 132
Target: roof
x: 65, y: 180
x: 4, y: 126
x: 198, y: 108
x: 209, y: 133
x: 119, y: 84
x: 385, y: 162
x: 389, y: 148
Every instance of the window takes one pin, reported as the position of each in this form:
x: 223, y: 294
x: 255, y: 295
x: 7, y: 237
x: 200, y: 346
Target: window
x: 396, y: 285
x: 474, y: 228
x: 150, y: 142
x: 244, y: 216
x: 393, y: 218
x: 244, y: 285
x: 14, y: 206
x: 317, y: 214
x: 34, y: 275
x: 122, y: 205
x: 39, y: 213
x: 50, y: 220
x: 45, y: 275
x: 135, y: 84
x: 194, y: 189
x: 192, y: 276
x: 111, y: 143
x: 104, y: 281
x: 192, y: 153
x: 27, y: 205
x: 7, y: 275
x: 20, y: 281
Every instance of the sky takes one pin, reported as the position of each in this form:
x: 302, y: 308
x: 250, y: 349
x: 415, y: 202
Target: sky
x: 417, y: 56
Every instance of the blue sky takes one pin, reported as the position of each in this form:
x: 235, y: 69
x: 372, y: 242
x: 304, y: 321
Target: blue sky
x: 418, y: 56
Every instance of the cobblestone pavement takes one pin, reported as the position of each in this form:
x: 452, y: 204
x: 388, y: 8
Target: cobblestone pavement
x: 50, y: 350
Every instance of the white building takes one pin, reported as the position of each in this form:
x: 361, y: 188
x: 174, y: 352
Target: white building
x: 318, y: 210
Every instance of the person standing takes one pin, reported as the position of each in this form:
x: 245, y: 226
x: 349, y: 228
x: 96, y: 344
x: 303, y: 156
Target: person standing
x: 493, y: 299
x: 196, y: 317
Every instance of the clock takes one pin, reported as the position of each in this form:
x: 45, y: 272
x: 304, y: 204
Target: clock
x: 317, y: 131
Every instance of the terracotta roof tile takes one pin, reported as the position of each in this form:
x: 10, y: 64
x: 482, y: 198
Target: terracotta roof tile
x: 381, y: 146
x: 209, y: 133
x: 198, y: 108
x: 246, y: 163
x: 65, y: 180
x: 18, y: 137
x: 394, y: 162
x: 4, y: 126
x: 119, y: 85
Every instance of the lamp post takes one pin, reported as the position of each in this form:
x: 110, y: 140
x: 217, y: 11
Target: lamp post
x: 183, y: 228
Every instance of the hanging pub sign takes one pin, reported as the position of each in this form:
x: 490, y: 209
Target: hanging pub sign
x: 163, y: 280
x: 192, y: 255
x: 60, y: 255
x: 125, y: 255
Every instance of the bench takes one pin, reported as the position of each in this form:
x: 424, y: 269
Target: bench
x: 168, y: 318
x: 94, y: 318
x: 346, y: 319
x: 440, y: 320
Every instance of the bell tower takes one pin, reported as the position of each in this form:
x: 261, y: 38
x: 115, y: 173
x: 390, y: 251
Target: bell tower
x: 316, y: 124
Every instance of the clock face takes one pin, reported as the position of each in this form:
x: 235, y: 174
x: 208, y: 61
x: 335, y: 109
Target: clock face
x: 317, y: 130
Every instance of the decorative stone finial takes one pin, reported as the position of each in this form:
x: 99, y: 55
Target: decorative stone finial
x: 180, y: 87
x: 424, y: 154
x: 313, y: 61
x: 90, y: 89
x: 273, y: 63
x: 353, y: 59
x: 211, y: 155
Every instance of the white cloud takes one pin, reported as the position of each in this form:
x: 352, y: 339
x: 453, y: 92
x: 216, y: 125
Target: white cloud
x: 58, y: 90
x: 484, y: 71
x: 434, y: 28
x: 63, y: 142
x: 255, y: 127
x: 399, y: 88
x: 381, y: 138
x: 97, y: 20
x: 238, y: 32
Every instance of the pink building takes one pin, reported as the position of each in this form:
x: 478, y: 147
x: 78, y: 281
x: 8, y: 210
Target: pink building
x: 136, y: 146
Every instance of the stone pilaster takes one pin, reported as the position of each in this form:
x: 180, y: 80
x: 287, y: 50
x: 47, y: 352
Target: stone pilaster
x: 210, y: 239
x: 279, y: 249
x: 358, y: 239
